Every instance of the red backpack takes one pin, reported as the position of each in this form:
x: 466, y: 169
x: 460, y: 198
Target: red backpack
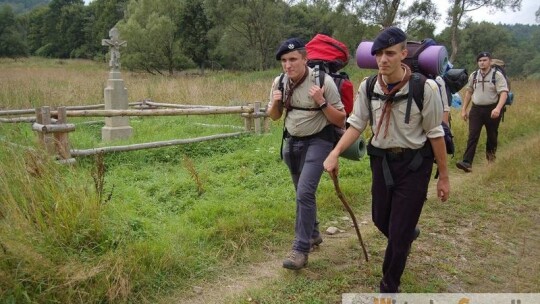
x: 327, y: 56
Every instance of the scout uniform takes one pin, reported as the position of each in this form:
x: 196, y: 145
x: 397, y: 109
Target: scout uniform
x: 485, y: 97
x: 309, y: 137
x: 401, y: 159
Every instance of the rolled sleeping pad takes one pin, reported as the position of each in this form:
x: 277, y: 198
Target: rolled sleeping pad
x: 432, y: 61
x: 355, y: 151
x: 364, y: 59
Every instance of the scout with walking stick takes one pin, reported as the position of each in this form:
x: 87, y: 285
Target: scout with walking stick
x: 402, y: 151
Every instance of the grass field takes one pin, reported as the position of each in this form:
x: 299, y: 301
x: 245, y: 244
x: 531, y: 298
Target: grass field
x: 211, y: 222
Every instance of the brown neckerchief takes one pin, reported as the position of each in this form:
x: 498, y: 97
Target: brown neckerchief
x: 293, y: 86
x: 387, y: 107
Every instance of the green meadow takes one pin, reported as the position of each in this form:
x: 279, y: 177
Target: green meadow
x: 210, y: 222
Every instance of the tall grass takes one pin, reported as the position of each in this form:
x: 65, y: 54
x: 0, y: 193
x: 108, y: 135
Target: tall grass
x: 132, y: 226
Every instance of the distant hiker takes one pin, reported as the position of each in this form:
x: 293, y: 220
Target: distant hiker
x: 312, y: 114
x: 401, y: 151
x: 487, y: 89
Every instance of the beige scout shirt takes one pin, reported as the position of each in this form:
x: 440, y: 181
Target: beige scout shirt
x: 442, y: 91
x: 484, y: 92
x: 304, y: 123
x: 422, y: 125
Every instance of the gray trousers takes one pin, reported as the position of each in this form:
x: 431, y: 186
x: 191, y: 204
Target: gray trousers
x: 305, y: 158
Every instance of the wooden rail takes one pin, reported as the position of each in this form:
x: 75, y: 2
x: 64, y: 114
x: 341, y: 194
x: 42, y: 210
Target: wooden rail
x: 53, y: 133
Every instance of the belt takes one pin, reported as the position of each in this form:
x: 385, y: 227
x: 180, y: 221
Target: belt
x: 415, y: 156
x: 491, y: 105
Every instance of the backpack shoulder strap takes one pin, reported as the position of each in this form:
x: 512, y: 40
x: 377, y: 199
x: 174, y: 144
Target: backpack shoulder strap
x: 494, y: 73
x: 370, y: 86
x: 319, y: 75
x: 416, y: 93
x: 281, y: 84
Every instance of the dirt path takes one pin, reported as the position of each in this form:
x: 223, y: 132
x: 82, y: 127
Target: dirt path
x: 234, y: 281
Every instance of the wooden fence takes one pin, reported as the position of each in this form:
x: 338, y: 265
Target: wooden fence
x: 53, y: 129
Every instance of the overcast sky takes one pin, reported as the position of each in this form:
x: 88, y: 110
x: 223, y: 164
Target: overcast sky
x: 524, y: 16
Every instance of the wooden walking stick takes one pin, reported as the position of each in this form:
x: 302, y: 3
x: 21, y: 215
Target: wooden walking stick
x: 344, y: 201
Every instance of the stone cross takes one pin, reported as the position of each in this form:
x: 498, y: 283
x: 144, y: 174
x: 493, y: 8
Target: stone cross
x: 114, y: 44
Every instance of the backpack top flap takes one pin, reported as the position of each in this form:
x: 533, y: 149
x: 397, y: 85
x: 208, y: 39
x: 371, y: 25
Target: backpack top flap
x: 328, y: 49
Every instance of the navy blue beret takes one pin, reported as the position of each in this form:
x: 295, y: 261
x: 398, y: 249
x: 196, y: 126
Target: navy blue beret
x: 388, y: 37
x: 289, y: 45
x: 483, y: 54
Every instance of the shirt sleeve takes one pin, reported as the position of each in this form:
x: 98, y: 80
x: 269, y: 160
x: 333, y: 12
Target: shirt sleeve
x: 501, y: 83
x: 443, y: 93
x: 359, y: 117
x: 272, y: 89
x: 432, y: 110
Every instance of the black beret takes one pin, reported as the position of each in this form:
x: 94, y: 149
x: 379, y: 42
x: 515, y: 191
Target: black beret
x: 483, y: 54
x: 289, y: 45
x: 388, y: 37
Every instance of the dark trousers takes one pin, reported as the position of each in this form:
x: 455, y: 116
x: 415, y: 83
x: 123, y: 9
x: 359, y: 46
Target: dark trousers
x: 396, y: 211
x: 480, y: 116
x: 305, y: 161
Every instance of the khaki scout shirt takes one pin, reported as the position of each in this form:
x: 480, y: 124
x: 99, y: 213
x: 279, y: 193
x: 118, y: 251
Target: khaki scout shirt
x: 484, y: 92
x: 304, y: 123
x: 442, y: 91
x: 421, y: 126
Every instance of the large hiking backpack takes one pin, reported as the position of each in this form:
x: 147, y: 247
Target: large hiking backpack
x: 327, y: 55
x: 497, y: 64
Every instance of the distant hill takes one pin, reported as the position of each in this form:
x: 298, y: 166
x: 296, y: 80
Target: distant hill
x: 23, y: 6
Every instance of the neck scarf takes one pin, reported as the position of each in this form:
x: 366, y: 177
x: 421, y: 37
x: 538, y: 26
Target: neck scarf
x: 292, y: 86
x: 389, y: 98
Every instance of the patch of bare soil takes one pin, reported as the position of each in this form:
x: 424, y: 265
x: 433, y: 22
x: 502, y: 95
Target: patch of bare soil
x: 234, y: 282
x: 453, y: 252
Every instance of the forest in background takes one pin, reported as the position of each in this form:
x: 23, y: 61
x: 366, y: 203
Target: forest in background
x: 165, y: 36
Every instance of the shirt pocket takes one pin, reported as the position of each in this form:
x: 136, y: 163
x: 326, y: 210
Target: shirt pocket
x: 376, y: 109
x: 414, y: 118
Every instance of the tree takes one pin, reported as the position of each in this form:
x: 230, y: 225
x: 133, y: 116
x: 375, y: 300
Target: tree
x: 103, y: 15
x: 12, y: 42
x: 250, y: 30
x: 418, y: 19
x: 152, y: 35
x: 194, y: 26
x: 457, y: 15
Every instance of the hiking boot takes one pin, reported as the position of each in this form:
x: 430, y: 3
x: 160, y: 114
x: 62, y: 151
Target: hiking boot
x: 464, y: 166
x: 490, y: 157
x: 315, y: 242
x: 416, y: 235
x: 295, y: 260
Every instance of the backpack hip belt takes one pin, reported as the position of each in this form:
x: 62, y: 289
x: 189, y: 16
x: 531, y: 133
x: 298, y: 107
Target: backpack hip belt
x: 327, y: 133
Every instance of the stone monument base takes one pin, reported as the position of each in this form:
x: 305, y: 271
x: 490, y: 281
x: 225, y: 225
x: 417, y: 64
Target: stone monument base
x: 115, y: 133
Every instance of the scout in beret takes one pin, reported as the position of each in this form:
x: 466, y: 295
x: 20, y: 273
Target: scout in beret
x: 311, y: 114
x: 486, y: 93
x: 401, y: 152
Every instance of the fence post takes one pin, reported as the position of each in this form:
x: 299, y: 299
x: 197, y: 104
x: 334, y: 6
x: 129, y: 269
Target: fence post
x: 248, y: 121
x: 62, y: 141
x: 48, y: 138
x: 39, y: 120
x: 257, y: 120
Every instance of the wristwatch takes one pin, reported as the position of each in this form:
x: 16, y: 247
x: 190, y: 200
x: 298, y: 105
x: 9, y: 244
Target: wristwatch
x: 323, y: 105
